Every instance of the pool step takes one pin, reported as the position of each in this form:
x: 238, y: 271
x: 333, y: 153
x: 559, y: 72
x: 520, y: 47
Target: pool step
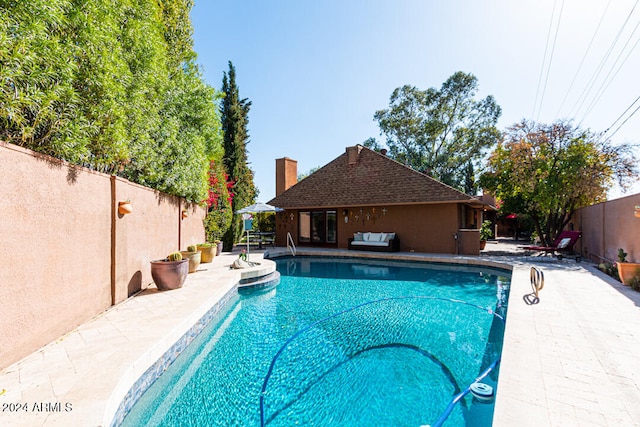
x: 261, y: 281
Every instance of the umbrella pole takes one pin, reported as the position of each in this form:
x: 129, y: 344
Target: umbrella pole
x: 247, y: 245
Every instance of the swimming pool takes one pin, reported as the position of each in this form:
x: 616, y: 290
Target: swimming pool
x: 397, y: 358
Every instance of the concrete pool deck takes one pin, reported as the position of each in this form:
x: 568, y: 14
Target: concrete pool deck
x: 571, y: 359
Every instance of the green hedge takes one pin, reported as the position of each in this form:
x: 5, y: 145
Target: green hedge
x: 111, y: 85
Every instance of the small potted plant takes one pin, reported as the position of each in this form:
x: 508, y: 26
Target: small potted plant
x: 194, y: 257
x: 207, y: 251
x: 626, y: 270
x: 485, y: 233
x: 171, y: 272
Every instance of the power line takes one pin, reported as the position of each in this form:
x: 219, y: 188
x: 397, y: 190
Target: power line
x: 583, y: 58
x: 621, y: 115
x: 555, y: 39
x: 544, y: 59
x: 625, y: 121
x: 580, y: 102
x: 608, y: 81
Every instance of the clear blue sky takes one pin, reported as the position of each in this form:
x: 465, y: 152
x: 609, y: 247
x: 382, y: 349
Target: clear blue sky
x: 316, y: 71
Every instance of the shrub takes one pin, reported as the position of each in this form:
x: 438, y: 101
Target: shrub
x: 485, y: 231
x: 609, y: 269
x: 220, y: 214
x: 112, y: 86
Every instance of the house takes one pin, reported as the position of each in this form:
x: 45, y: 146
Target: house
x: 365, y: 191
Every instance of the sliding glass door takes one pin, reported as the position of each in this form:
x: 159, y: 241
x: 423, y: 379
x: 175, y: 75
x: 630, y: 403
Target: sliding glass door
x: 318, y: 227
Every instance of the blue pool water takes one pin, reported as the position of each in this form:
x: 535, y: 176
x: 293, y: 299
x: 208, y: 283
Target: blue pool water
x: 357, y: 343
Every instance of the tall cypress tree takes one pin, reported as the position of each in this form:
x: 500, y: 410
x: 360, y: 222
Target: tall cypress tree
x: 235, y: 118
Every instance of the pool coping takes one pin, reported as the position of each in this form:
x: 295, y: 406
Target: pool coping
x: 94, y: 367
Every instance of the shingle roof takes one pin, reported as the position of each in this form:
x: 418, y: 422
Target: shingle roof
x: 373, y: 179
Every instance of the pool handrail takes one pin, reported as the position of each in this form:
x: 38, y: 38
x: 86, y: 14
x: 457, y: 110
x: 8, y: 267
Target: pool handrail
x: 290, y: 245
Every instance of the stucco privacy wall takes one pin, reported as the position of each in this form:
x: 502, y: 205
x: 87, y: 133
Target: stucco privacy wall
x: 608, y: 226
x: 68, y: 254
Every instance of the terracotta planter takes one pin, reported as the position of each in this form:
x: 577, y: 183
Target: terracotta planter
x: 207, y: 253
x: 194, y: 260
x: 627, y: 270
x: 483, y: 244
x: 168, y: 275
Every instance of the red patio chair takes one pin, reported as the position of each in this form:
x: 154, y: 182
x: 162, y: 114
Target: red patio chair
x: 563, y: 244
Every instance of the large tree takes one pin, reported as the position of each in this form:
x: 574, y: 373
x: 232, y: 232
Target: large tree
x: 235, y: 119
x: 548, y: 171
x: 440, y: 132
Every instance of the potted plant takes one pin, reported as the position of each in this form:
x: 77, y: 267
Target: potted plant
x: 626, y: 270
x: 193, y: 255
x: 207, y: 251
x: 171, y: 272
x: 485, y: 233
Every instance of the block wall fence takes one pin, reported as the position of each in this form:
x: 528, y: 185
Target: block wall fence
x: 67, y: 254
x: 608, y: 226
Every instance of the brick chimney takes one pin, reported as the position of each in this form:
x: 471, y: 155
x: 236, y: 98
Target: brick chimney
x: 353, y: 153
x: 286, y: 174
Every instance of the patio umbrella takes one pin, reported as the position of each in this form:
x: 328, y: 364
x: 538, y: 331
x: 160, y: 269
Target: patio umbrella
x: 257, y: 208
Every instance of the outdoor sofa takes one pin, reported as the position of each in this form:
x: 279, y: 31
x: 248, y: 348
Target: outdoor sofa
x: 381, y: 242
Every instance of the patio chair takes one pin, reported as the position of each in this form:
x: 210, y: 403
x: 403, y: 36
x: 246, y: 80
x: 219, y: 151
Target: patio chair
x: 562, y: 245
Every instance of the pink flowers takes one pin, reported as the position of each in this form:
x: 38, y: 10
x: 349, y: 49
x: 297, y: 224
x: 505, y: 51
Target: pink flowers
x: 219, y: 183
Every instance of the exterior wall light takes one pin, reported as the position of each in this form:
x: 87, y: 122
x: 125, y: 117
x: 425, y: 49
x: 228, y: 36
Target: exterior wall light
x: 125, y: 207
x: 636, y: 212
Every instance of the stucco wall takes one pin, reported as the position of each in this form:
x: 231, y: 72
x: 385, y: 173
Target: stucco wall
x: 608, y: 226
x: 150, y: 232
x: 420, y: 228
x: 191, y: 227
x: 68, y: 255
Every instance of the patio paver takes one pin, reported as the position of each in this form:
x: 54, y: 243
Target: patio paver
x: 572, y: 358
